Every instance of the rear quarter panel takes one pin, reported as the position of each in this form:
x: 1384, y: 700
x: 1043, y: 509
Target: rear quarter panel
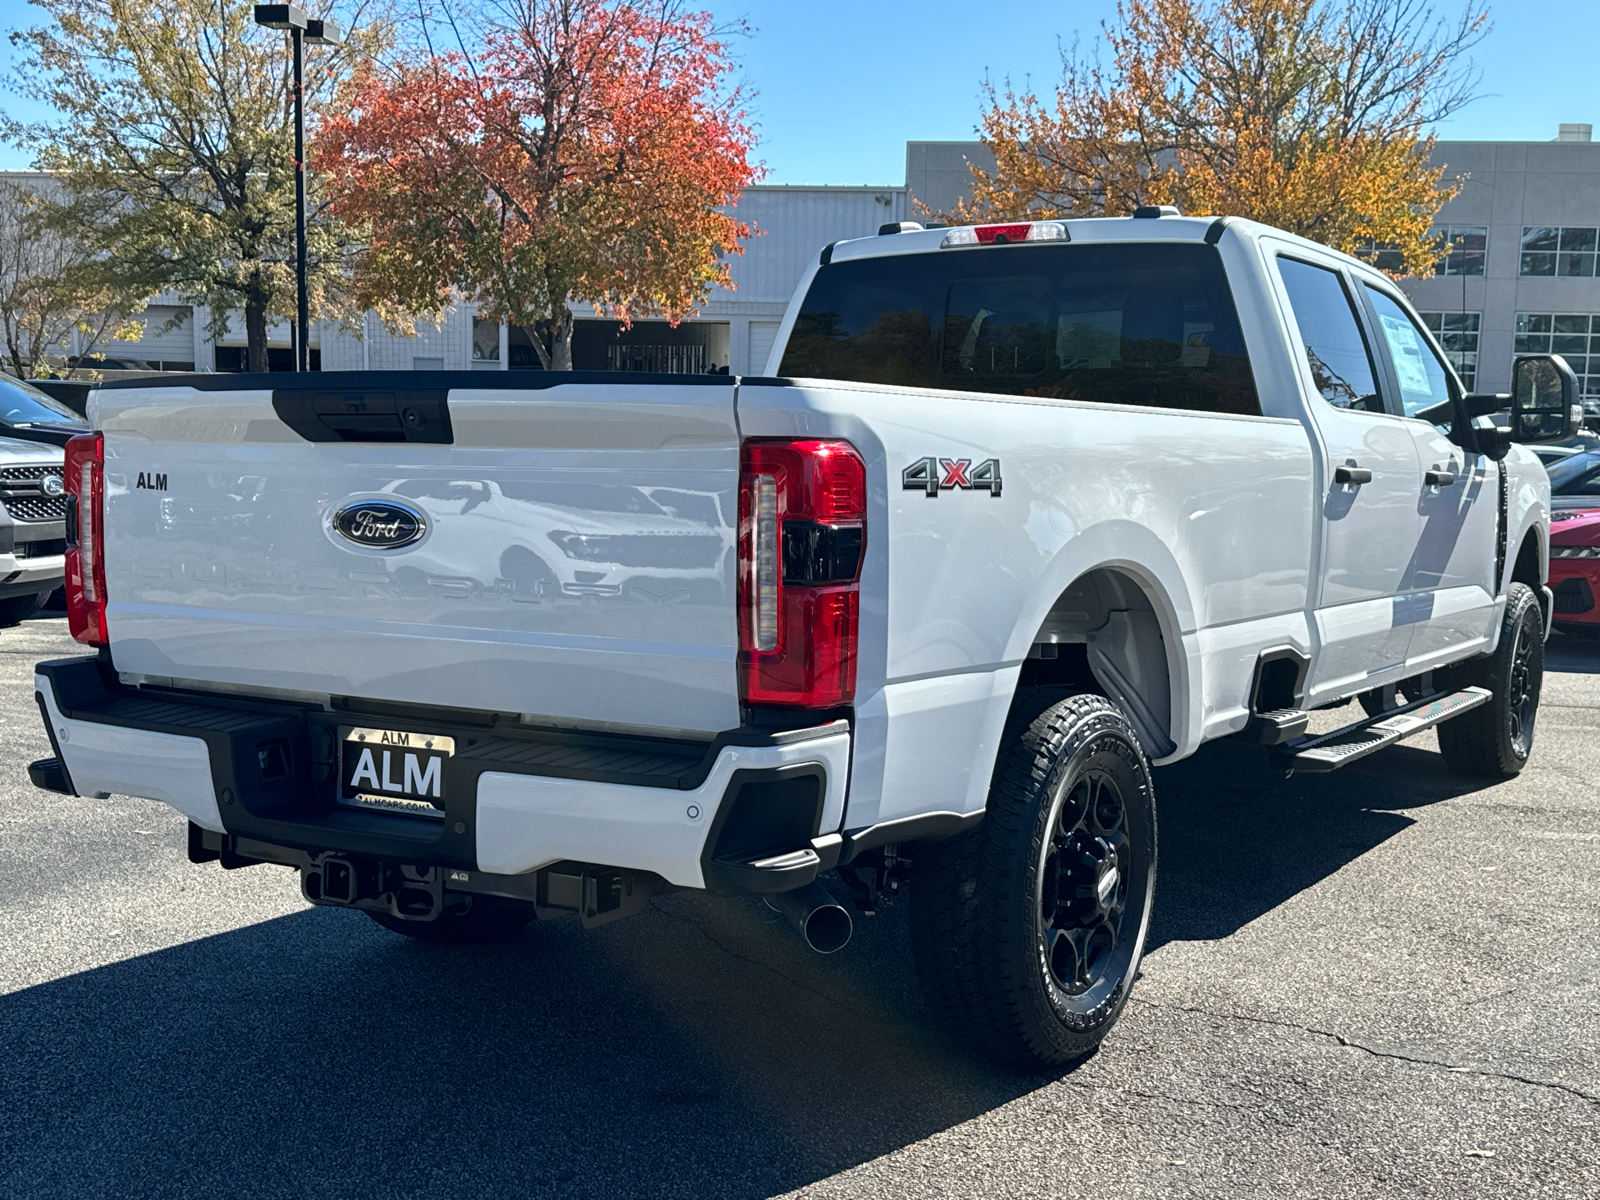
x: 1210, y: 513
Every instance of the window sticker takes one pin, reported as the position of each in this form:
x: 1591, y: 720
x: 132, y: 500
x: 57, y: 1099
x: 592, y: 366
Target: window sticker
x: 1407, y: 354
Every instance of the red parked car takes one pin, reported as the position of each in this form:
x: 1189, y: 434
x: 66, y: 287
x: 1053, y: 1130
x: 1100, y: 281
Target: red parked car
x: 1575, y: 570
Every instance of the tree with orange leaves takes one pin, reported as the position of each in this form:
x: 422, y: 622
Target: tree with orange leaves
x: 582, y: 153
x: 1311, y: 115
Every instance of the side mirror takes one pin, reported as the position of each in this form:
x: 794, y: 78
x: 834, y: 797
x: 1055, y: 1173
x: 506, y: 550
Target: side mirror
x: 1544, y: 400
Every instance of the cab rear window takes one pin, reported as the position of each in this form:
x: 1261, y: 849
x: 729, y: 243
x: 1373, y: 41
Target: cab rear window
x: 1147, y: 324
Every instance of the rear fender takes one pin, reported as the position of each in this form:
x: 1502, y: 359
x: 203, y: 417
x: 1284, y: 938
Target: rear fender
x: 1121, y: 646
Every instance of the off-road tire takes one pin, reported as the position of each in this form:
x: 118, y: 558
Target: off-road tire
x: 1496, y: 739
x: 985, y: 950
x: 489, y: 919
x: 16, y: 609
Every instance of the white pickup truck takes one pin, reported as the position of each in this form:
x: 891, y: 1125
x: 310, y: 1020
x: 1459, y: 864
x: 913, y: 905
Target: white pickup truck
x: 1016, y: 511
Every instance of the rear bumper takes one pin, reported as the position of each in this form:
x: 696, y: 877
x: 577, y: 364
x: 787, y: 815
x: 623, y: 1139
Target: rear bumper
x: 32, y: 557
x: 30, y: 576
x: 516, y: 799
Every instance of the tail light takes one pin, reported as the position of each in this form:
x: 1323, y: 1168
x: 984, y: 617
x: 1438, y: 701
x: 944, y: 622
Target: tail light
x: 86, y: 555
x: 802, y: 532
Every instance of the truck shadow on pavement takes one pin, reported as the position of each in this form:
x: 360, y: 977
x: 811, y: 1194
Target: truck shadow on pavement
x: 1572, y: 655
x: 1238, y: 839
x: 694, y: 1051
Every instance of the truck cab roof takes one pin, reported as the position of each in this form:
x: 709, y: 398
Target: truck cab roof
x: 1166, y: 228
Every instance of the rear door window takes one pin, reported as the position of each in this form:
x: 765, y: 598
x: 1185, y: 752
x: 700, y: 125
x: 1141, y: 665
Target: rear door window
x: 1341, y: 364
x: 1146, y: 324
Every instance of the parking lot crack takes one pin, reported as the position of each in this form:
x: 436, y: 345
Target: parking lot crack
x: 1340, y: 1039
x: 1164, y: 1097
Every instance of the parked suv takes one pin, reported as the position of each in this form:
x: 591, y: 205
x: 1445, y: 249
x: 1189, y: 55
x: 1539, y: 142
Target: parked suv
x: 32, y: 527
x: 28, y: 414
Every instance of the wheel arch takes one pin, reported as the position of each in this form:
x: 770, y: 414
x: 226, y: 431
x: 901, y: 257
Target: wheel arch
x: 1529, y: 566
x: 1532, y: 567
x: 1116, y: 596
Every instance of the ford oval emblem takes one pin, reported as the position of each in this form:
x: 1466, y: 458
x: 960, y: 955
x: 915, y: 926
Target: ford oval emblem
x: 51, y: 485
x: 379, y: 524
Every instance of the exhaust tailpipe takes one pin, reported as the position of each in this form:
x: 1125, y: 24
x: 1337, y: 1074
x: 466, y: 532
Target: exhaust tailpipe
x: 822, y: 921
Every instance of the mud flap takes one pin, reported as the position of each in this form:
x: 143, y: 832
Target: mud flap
x: 1129, y: 658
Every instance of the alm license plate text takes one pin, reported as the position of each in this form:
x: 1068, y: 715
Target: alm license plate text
x: 393, y: 770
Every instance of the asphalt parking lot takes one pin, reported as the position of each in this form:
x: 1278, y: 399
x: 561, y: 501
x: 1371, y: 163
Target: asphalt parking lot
x: 1380, y: 983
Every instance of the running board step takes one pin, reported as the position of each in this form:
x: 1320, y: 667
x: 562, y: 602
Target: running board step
x: 1277, y: 727
x: 778, y: 871
x: 1329, y: 751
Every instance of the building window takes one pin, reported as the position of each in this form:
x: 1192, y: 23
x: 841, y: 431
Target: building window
x: 670, y: 360
x: 1463, y: 249
x: 1574, y: 336
x: 1457, y: 332
x: 1382, y: 255
x: 1558, y: 250
x: 485, y: 341
x: 279, y: 358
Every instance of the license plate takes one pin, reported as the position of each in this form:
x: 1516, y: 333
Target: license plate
x: 393, y: 770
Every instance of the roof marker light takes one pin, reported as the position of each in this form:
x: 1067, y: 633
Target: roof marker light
x: 1000, y: 235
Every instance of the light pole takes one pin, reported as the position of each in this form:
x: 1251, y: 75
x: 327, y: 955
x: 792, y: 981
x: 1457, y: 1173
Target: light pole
x: 302, y: 29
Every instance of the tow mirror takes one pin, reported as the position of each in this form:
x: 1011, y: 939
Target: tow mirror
x: 1544, y: 400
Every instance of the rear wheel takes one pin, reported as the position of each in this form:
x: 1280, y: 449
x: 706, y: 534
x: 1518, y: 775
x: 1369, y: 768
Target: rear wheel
x: 1027, y: 931
x: 1496, y: 739
x: 16, y: 609
x: 486, y: 919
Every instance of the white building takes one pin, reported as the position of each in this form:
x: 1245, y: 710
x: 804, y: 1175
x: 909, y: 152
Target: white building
x: 734, y: 331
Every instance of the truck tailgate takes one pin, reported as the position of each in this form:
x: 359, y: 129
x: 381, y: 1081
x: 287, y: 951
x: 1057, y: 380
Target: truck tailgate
x: 573, y: 556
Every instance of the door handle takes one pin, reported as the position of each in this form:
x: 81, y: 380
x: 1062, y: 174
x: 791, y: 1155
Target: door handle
x: 1352, y: 475
x: 1438, y: 478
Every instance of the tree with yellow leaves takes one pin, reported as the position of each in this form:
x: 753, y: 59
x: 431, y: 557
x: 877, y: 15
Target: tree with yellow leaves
x: 171, y: 149
x: 1310, y: 115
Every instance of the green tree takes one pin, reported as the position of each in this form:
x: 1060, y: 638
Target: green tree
x: 46, y: 290
x: 174, y: 149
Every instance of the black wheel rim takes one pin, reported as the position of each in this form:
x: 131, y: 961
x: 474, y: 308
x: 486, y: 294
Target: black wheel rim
x: 1522, y: 689
x: 1082, y: 897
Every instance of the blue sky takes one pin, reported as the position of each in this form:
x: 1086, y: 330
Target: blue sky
x: 844, y: 85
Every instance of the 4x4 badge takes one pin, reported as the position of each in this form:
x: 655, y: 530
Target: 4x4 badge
x: 933, y: 475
